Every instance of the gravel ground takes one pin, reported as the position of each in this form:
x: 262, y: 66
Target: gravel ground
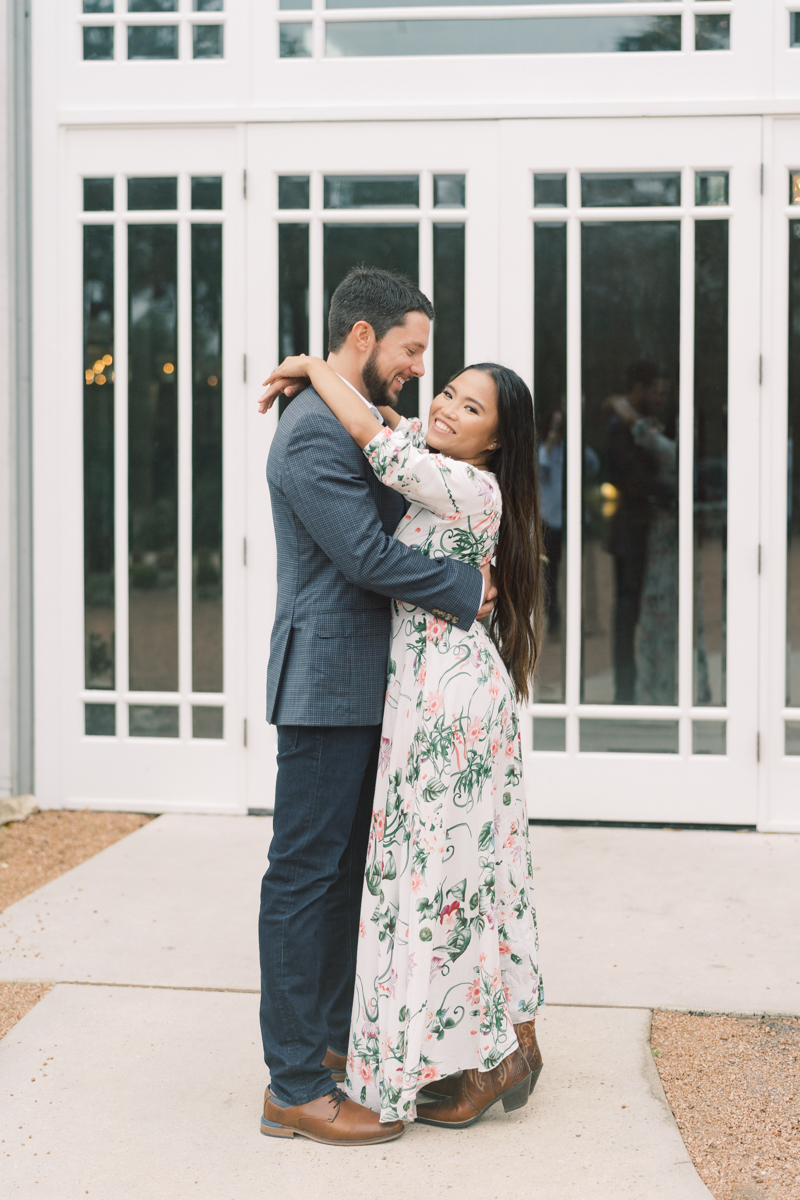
x: 33, y: 852
x: 734, y: 1087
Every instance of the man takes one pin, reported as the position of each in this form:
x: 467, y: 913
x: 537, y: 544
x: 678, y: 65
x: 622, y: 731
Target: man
x: 338, y: 565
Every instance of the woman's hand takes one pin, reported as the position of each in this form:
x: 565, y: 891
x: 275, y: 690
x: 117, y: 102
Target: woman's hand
x: 291, y: 377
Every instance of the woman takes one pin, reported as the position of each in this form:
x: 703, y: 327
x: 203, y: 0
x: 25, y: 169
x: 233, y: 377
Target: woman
x: 447, y: 982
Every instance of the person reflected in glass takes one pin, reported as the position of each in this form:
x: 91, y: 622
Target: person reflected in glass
x: 643, y: 538
x: 551, y: 483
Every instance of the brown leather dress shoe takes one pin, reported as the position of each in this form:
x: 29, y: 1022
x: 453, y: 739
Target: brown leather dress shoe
x: 333, y: 1119
x: 476, y: 1091
x: 526, y: 1036
x: 336, y: 1064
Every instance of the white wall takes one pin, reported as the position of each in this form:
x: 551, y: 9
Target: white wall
x: 7, y: 556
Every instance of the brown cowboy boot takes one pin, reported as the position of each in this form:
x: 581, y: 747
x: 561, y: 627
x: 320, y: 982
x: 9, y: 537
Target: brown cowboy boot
x: 333, y: 1119
x: 476, y: 1091
x: 526, y: 1036
x: 336, y: 1063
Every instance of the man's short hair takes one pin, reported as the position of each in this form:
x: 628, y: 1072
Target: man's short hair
x: 644, y: 372
x: 380, y: 297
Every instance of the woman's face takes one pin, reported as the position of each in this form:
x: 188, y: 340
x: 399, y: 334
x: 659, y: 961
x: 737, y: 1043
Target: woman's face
x: 463, y: 420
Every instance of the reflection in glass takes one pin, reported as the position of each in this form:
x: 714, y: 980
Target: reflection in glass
x: 550, y: 191
x: 293, y: 265
x: 98, y: 455
x: 448, y: 302
x: 446, y: 3
x: 628, y: 737
x: 392, y: 247
x: 794, y: 187
x: 207, y: 458
x: 296, y: 4
x: 371, y: 191
x: 640, y: 189
x: 152, y: 41
x: 153, y: 720
x: 206, y: 191
x: 793, y: 473
x: 295, y: 39
x: 709, y: 737
x: 208, y: 5
x: 792, y: 743
x: 795, y: 39
x: 100, y: 720
x: 152, y: 5
x: 449, y: 191
x: 710, y: 462
x: 98, y: 42
x: 630, y: 328
x: 712, y: 32
x: 98, y: 195
x: 549, y: 733
x: 207, y: 41
x: 500, y: 35
x: 207, y: 722
x: 153, y: 194
x: 98, y: 6
x: 293, y: 191
x: 710, y: 188
x: 153, y: 456
x: 550, y: 398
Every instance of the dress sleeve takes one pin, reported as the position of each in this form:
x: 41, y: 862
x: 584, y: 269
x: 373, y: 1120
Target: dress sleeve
x: 442, y: 485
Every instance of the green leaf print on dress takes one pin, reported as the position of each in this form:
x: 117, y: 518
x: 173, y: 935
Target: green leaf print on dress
x: 448, y: 946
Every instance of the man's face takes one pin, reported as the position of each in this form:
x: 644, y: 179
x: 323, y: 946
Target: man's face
x: 651, y: 399
x: 396, y: 358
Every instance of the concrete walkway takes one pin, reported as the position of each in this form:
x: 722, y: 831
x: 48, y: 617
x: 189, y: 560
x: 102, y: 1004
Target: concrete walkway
x: 140, y: 1074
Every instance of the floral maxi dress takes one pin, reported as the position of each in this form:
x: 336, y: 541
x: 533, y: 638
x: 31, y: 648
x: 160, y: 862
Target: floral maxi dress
x: 448, y: 946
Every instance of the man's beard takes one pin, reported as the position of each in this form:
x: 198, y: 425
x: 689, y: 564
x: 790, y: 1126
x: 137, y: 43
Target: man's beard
x: 377, y: 387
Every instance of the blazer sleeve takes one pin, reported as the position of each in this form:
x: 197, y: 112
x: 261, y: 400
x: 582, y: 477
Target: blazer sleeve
x: 323, y: 481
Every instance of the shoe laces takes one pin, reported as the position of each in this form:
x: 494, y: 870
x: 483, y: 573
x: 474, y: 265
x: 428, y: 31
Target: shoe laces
x: 338, y: 1098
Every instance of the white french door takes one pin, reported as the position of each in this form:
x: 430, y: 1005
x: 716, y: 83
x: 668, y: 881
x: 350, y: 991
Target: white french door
x: 630, y: 258
x: 780, y: 462
x: 139, y: 566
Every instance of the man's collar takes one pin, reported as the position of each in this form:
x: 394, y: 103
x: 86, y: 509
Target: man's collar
x: 368, y: 403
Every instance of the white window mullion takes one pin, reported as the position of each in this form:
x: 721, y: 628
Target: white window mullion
x: 426, y: 286
x: 686, y: 473
x: 121, y: 455
x: 185, y: 472
x: 574, y: 464
x: 316, y: 316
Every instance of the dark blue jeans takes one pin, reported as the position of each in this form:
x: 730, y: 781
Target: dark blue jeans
x: 311, y: 900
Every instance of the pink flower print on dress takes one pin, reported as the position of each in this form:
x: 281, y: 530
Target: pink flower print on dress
x: 428, y: 1074
x: 385, y: 755
x: 435, y: 631
x: 437, y: 964
x: 447, y: 917
x: 416, y: 880
x: 474, y: 992
x: 510, y: 750
x: 362, y: 929
x: 387, y: 986
x: 474, y: 732
x: 434, y: 704
x: 495, y: 747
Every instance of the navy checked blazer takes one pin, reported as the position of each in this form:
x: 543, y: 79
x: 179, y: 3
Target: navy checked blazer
x: 338, y: 565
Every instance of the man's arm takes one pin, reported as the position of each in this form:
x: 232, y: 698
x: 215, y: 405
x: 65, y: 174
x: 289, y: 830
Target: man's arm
x: 323, y: 483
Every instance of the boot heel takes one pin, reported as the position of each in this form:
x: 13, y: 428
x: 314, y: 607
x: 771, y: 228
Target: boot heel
x: 516, y: 1097
x: 535, y: 1079
x: 272, y: 1129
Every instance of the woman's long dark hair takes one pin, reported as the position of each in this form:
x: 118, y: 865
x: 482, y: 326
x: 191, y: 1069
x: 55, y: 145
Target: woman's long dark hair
x: 517, y: 621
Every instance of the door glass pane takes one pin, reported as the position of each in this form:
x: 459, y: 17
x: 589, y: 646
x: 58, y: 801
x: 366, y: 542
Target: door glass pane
x: 711, y: 188
x: 98, y: 6
x: 98, y: 454
x: 449, y: 191
x: 549, y: 733
x: 709, y: 737
x: 550, y: 395
x: 293, y: 191
x: 641, y: 189
x: 392, y: 247
x: 153, y: 456
x: 793, y: 499
x: 448, y: 302
x: 371, y: 191
x: 713, y: 32
x: 293, y: 265
x: 207, y: 722
x: 209, y: 5
x: 100, y: 720
x: 152, y: 41
x: 207, y: 458
x: 207, y: 41
x: 631, y: 327
x: 206, y: 191
x: 498, y: 35
x: 98, y: 43
x: 152, y: 5
x: 295, y: 39
x: 158, y: 192
x: 711, y: 461
x: 550, y: 191
x: 629, y: 737
x: 98, y: 195
x: 153, y: 720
